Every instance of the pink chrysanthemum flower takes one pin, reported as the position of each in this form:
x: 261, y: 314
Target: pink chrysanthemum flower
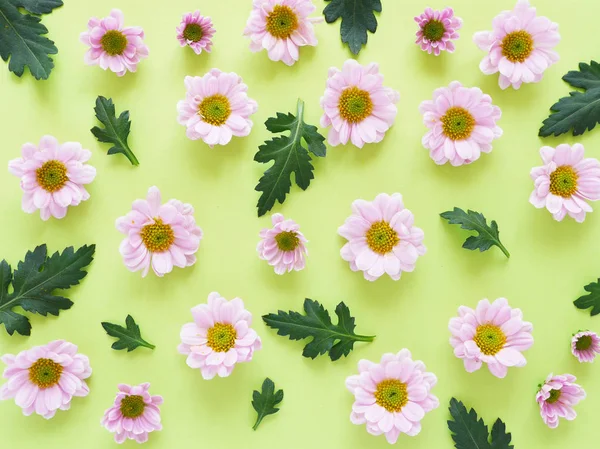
x: 134, y: 414
x: 196, y: 31
x: 519, y: 46
x: 391, y: 397
x: 492, y: 333
x: 585, y: 345
x: 556, y: 398
x: 159, y: 235
x: 356, y: 105
x: 216, y: 107
x: 381, y: 237
x: 280, y: 27
x: 565, y: 182
x: 113, y: 46
x: 53, y: 176
x: 437, y: 30
x: 45, y: 378
x: 219, y: 337
x: 461, y: 122
x: 283, y: 246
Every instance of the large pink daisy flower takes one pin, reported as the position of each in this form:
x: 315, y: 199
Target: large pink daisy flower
x: 134, y: 414
x: 519, y: 46
x: 280, y: 27
x: 216, y: 107
x: 492, y: 333
x: 437, y: 30
x: 53, y: 176
x: 391, y: 397
x: 196, y: 31
x: 461, y: 122
x: 158, y: 235
x: 45, y: 378
x: 113, y: 46
x: 565, y: 182
x: 283, y: 246
x: 356, y: 105
x: 557, y: 397
x: 585, y: 345
x: 381, y: 237
x: 219, y: 337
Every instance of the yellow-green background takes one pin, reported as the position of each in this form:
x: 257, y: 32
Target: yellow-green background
x: 550, y: 261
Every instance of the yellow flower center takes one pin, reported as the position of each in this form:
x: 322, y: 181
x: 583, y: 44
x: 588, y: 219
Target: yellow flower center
x: 434, y: 30
x: 490, y: 339
x: 381, y: 238
x: 193, y: 32
x: 113, y: 42
x: 391, y: 394
x: 157, y: 237
x: 554, y: 396
x: 221, y: 337
x: 52, y: 175
x: 282, y: 22
x: 132, y: 406
x: 584, y: 342
x: 45, y: 373
x: 355, y: 104
x: 457, y: 123
x: 563, y: 181
x: 215, y: 109
x: 287, y: 240
x: 517, y: 46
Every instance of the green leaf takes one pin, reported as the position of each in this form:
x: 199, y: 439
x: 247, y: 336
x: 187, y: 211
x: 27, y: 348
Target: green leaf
x: 128, y: 338
x: 487, y: 236
x: 468, y: 432
x: 38, y: 6
x: 289, y: 155
x: 34, y: 280
x: 500, y: 439
x: 592, y: 299
x: 337, y: 340
x: 264, y: 402
x: 22, y: 41
x: 587, y: 77
x: 357, y: 18
x: 115, y: 131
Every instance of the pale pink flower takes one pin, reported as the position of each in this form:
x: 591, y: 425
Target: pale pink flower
x: 134, y: 414
x: 566, y: 182
x: 216, y: 107
x: 53, y: 176
x: 196, y: 31
x: 492, y: 333
x: 283, y: 246
x: 461, y: 122
x: 585, y: 345
x: 219, y: 337
x: 280, y: 27
x: 437, y: 30
x: 391, y: 397
x: 159, y: 235
x: 556, y: 398
x: 112, y: 45
x: 381, y: 237
x: 45, y: 378
x: 356, y: 105
x: 519, y: 46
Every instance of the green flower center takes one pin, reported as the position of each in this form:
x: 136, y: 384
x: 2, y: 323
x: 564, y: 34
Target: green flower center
x: 434, y: 30
x: 381, y: 238
x: 554, y: 396
x: 113, y: 42
x: 490, y: 339
x: 563, y: 181
x: 132, y: 406
x: 287, y: 240
x: 517, y: 46
x: 391, y: 394
x: 52, y: 175
x: 45, y: 373
x: 193, y: 32
x: 584, y: 342
x: 282, y: 22
x: 221, y: 337
x: 157, y: 237
x: 457, y: 123
x: 355, y: 104
x: 215, y: 109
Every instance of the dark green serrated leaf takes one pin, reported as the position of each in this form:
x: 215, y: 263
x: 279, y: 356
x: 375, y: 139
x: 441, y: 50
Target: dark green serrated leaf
x: 468, y: 432
x: 592, y: 299
x: 500, y: 438
x: 38, y: 6
x: 264, y: 402
x: 587, y: 77
x: 128, y: 338
x: 116, y: 130
x: 23, y: 44
x: 34, y: 280
x: 337, y: 340
x: 289, y: 155
x: 357, y: 18
x: 487, y: 236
